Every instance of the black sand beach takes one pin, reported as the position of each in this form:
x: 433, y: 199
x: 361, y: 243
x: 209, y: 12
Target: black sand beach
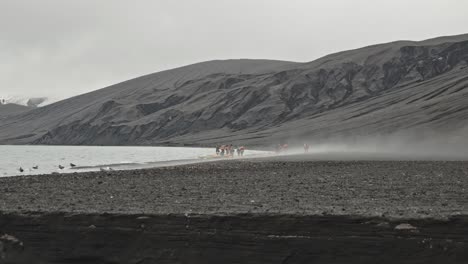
x: 268, y: 210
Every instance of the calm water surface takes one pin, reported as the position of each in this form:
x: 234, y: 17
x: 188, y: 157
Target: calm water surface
x: 92, y: 158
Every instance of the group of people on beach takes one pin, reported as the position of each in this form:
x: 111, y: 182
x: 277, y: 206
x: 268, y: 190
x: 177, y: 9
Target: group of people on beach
x: 229, y: 150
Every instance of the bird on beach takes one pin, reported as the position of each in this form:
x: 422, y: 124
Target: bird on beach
x: 61, y: 167
x: 72, y: 165
x: 106, y: 169
x: 21, y: 169
x: 35, y: 167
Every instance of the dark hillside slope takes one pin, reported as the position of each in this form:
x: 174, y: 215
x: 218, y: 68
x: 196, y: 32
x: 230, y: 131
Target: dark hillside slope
x: 380, y: 89
x: 11, y: 109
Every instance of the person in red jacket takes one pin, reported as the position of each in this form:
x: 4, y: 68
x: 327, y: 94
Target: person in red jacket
x: 241, y: 150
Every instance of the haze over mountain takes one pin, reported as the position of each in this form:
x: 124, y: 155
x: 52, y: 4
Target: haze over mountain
x: 397, y: 87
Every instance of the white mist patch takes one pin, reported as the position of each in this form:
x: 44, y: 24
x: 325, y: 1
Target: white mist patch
x: 385, y: 148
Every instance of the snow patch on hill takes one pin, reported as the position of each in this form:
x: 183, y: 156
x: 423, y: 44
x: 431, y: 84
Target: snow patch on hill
x: 32, y: 102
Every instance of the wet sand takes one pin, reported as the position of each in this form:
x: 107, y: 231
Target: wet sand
x: 266, y: 210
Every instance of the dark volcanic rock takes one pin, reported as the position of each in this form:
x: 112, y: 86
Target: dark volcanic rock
x: 379, y: 89
x: 65, y: 238
x: 276, y: 210
x: 284, y: 185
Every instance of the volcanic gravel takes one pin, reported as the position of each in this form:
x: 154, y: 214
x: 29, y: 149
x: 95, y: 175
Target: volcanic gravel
x: 401, y: 189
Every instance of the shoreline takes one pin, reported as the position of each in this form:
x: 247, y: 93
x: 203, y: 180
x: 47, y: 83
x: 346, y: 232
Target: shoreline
x: 265, y: 210
x: 10, y: 167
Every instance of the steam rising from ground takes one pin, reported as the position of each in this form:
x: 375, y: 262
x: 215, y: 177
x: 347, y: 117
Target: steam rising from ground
x: 396, y: 147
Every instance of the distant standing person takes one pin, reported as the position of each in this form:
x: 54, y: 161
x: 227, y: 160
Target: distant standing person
x: 222, y: 150
x: 217, y: 150
x: 231, y: 150
x: 278, y: 148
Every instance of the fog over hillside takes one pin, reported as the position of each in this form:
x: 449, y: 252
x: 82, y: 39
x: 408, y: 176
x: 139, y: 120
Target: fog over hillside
x: 415, y: 89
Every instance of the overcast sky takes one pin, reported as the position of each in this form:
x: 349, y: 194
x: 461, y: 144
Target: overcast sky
x: 61, y: 48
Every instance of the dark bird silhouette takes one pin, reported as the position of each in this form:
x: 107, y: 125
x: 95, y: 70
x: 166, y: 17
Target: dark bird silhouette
x: 36, y: 167
x: 61, y: 167
x: 21, y: 169
x: 72, y: 165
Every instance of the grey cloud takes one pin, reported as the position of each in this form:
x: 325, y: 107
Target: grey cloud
x: 61, y: 48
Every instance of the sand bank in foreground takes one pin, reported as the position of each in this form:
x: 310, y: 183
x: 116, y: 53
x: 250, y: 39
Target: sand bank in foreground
x: 270, y: 210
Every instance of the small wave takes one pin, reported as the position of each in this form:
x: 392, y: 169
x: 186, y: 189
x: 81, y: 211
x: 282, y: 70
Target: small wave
x: 105, y: 165
x: 133, y: 165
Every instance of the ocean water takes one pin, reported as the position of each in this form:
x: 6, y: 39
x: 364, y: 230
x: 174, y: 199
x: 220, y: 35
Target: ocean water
x: 94, y: 158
